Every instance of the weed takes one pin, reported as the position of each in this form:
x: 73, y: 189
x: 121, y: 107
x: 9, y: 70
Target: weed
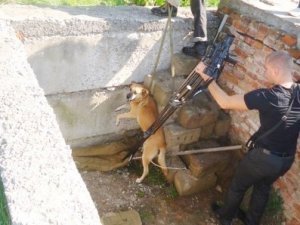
x: 275, y: 203
x: 146, y: 216
x: 135, y: 167
x: 4, y: 215
x: 171, y: 192
x: 140, y: 194
x: 155, y: 177
x: 212, y: 3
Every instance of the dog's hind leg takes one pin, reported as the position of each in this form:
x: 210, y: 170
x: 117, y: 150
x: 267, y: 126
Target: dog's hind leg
x: 148, y: 154
x: 162, y: 160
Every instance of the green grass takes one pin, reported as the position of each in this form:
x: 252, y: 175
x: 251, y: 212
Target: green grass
x: 275, y: 203
x: 210, y: 3
x: 154, y: 178
x: 147, y: 216
x: 4, y: 215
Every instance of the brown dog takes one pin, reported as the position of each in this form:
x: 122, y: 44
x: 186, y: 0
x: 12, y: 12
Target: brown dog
x: 144, y: 109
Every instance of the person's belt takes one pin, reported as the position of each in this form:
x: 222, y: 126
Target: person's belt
x: 279, y: 154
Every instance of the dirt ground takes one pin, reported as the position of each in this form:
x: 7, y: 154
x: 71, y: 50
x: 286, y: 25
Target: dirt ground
x: 155, y: 200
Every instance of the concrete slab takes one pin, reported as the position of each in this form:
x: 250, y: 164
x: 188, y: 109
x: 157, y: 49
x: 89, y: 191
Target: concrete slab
x: 41, y: 182
x: 82, y: 48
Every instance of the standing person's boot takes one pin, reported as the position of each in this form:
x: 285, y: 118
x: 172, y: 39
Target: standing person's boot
x: 163, y: 10
x: 198, y: 50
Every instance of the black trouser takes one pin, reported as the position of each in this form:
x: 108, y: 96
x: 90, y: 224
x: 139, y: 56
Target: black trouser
x: 260, y: 170
x: 199, y: 12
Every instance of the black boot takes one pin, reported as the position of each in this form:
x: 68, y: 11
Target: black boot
x: 216, y: 208
x: 197, y: 50
x: 163, y: 10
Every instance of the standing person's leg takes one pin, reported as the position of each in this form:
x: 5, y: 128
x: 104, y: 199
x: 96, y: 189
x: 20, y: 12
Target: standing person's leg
x: 258, y: 202
x: 261, y: 191
x: 260, y: 170
x: 295, y: 12
x: 200, y: 20
x: 242, y: 180
x: 200, y: 30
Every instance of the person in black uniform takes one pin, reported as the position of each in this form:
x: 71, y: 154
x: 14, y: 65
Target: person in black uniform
x: 198, y: 9
x: 273, y: 146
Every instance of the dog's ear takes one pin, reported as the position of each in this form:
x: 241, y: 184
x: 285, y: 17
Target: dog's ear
x: 145, y: 92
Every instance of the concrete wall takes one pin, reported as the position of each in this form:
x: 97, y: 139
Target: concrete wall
x: 76, y: 52
x: 259, y: 30
x: 40, y: 179
x: 86, y: 48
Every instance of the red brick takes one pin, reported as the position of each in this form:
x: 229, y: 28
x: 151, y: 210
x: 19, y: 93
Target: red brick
x: 295, y: 53
x: 248, y: 40
x: 294, y: 221
x: 287, y: 198
x: 245, y: 21
x: 280, y: 184
x: 246, y: 48
x: 298, y: 156
x: 249, y: 72
x: 273, y: 35
x: 294, y: 173
x: 289, y: 40
x: 267, y: 50
x: 260, y: 58
x: 233, y: 18
x: 257, y: 44
x: 240, y: 53
x: 239, y: 71
x: 253, y: 28
x: 297, y: 217
x: 225, y: 10
x: 254, y: 43
x: 263, y: 31
x: 241, y: 24
x: 229, y: 77
x: 296, y: 206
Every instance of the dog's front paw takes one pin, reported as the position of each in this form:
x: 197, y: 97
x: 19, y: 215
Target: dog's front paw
x: 117, y: 121
x: 139, y: 180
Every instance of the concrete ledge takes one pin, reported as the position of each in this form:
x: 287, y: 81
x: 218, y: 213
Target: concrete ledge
x: 83, y: 48
x: 78, y: 51
x: 41, y: 182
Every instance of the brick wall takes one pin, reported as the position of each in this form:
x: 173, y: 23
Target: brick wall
x: 254, y: 41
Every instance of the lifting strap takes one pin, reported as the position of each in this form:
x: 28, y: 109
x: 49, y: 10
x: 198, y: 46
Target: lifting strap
x: 170, y: 28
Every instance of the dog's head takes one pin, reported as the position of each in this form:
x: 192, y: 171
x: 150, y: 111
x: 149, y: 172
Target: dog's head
x: 137, y: 93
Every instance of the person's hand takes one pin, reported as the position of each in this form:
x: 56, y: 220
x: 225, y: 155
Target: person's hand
x: 200, y: 69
